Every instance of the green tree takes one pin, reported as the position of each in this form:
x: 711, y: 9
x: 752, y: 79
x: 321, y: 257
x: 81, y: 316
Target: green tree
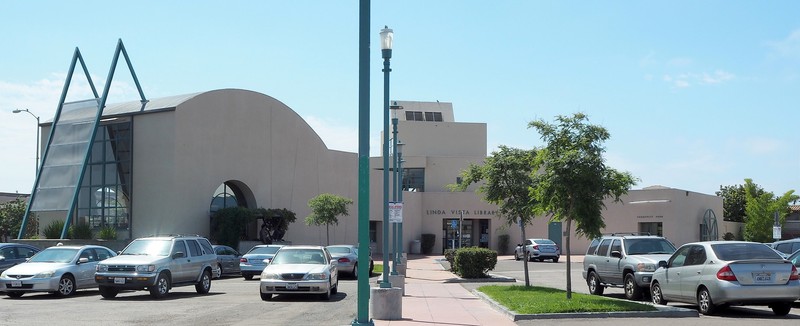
x: 228, y: 225
x: 734, y: 201
x: 325, y: 209
x: 760, y: 210
x: 275, y: 223
x: 572, y: 179
x: 506, y: 178
x: 11, y: 214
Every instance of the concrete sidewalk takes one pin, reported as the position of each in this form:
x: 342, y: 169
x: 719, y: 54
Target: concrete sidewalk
x: 430, y: 300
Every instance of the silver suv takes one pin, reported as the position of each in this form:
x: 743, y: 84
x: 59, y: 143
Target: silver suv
x: 626, y: 261
x: 158, y: 264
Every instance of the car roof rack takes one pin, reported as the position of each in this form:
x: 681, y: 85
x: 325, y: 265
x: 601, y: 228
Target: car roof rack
x: 620, y: 234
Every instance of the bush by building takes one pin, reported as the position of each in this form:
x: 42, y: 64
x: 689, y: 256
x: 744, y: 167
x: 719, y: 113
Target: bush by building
x: 474, y: 262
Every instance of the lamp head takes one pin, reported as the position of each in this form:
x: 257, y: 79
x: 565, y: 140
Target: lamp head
x: 17, y: 111
x: 386, y: 38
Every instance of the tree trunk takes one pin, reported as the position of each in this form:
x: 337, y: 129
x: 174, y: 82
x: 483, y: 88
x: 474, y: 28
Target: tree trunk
x: 569, y: 261
x: 327, y: 235
x: 524, y: 255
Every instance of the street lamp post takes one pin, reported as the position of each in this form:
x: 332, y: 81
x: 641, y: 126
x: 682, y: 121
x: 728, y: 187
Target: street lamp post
x: 386, y: 50
x: 395, y: 243
x: 399, y: 187
x: 36, y: 168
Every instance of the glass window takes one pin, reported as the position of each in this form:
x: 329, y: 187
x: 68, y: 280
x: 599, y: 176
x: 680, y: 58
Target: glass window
x: 679, y: 258
x: 194, y: 248
x: 648, y: 246
x: 785, y: 248
x: 603, y: 249
x: 437, y: 116
x: 592, y: 247
x: 180, y: 246
x: 414, y: 179
x: 616, y: 246
x: 739, y: 251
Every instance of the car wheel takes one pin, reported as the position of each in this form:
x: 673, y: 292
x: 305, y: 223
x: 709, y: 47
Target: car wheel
x: 161, y: 288
x: 335, y: 288
x: 656, y: 295
x: 632, y: 291
x: 108, y: 292
x: 555, y: 260
x: 266, y: 296
x: 781, y: 308
x: 204, y: 285
x: 355, y: 271
x: 594, y: 284
x: 247, y: 276
x: 15, y: 294
x: 327, y: 294
x: 516, y: 256
x: 219, y: 267
x: 66, y: 286
x: 704, y: 303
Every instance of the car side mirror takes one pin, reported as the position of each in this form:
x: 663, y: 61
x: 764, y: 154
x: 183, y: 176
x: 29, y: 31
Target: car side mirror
x: 662, y: 263
x: 266, y: 261
x: 179, y: 254
x: 83, y: 260
x: 334, y: 262
x: 616, y: 254
x: 2, y: 258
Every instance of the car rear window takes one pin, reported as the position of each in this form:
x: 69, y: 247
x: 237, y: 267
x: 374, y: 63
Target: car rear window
x: 339, y: 250
x: 264, y: 250
x: 545, y: 241
x: 743, y: 251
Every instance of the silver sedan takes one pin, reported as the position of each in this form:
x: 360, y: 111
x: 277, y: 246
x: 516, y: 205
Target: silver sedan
x: 60, y: 269
x: 300, y: 270
x: 722, y: 273
x: 347, y: 259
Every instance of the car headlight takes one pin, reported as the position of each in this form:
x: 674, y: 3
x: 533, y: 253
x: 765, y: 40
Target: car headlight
x: 101, y: 268
x: 270, y: 276
x: 145, y: 268
x: 316, y: 276
x: 4, y: 275
x: 643, y: 267
x: 45, y: 274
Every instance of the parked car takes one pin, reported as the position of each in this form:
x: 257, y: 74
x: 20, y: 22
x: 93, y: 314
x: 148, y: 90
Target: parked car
x: 227, y: 260
x: 626, y: 261
x: 795, y: 259
x: 347, y: 259
x: 787, y: 247
x: 158, y: 264
x: 720, y: 273
x: 300, y: 269
x: 538, y: 249
x: 252, y: 262
x: 15, y: 253
x: 60, y: 269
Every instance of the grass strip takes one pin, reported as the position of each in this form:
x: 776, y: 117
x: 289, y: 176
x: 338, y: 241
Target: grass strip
x: 542, y: 300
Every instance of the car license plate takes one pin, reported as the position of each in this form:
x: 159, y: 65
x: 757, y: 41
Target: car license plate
x: 291, y: 286
x: 762, y: 277
x: 16, y: 284
x: 119, y: 280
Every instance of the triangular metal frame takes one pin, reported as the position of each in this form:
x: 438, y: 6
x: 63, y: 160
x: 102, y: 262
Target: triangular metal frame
x: 75, y: 59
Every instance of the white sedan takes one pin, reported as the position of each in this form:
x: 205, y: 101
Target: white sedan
x: 60, y: 269
x: 300, y: 270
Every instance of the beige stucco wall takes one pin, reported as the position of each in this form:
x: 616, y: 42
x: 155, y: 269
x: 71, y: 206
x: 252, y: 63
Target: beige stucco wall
x: 182, y: 156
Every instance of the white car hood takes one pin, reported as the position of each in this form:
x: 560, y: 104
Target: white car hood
x: 132, y: 260
x: 34, y: 268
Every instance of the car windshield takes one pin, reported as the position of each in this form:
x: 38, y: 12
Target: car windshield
x: 264, y: 250
x: 743, y: 251
x: 149, y: 247
x: 648, y: 246
x: 54, y: 255
x: 299, y: 256
x: 339, y: 250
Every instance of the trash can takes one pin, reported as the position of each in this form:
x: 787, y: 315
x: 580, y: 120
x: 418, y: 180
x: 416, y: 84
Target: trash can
x: 416, y: 247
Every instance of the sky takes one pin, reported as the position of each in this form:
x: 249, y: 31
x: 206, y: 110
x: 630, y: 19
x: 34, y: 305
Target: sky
x: 695, y: 94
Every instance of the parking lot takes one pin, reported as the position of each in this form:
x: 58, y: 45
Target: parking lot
x: 232, y: 301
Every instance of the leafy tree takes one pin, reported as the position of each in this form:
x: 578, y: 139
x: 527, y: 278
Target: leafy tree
x: 733, y: 201
x: 228, y: 225
x: 507, y: 180
x: 325, y: 208
x: 760, y: 209
x: 572, y: 179
x: 11, y: 214
x: 275, y: 223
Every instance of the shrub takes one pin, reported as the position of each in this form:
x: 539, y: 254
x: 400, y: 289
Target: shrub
x: 729, y: 236
x: 228, y: 225
x: 450, y: 255
x: 474, y: 262
x: 107, y: 233
x: 428, y: 241
x: 80, y: 231
x: 502, y: 243
x: 53, y: 230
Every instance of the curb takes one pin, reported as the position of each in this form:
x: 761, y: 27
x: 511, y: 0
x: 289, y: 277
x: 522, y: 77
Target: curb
x: 663, y: 311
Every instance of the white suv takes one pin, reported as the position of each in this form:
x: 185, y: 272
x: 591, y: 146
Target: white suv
x: 158, y: 264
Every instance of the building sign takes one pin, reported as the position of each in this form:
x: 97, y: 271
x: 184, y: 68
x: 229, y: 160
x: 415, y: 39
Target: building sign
x: 464, y: 212
x: 395, y: 212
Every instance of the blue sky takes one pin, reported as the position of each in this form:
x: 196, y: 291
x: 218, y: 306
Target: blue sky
x: 695, y: 94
